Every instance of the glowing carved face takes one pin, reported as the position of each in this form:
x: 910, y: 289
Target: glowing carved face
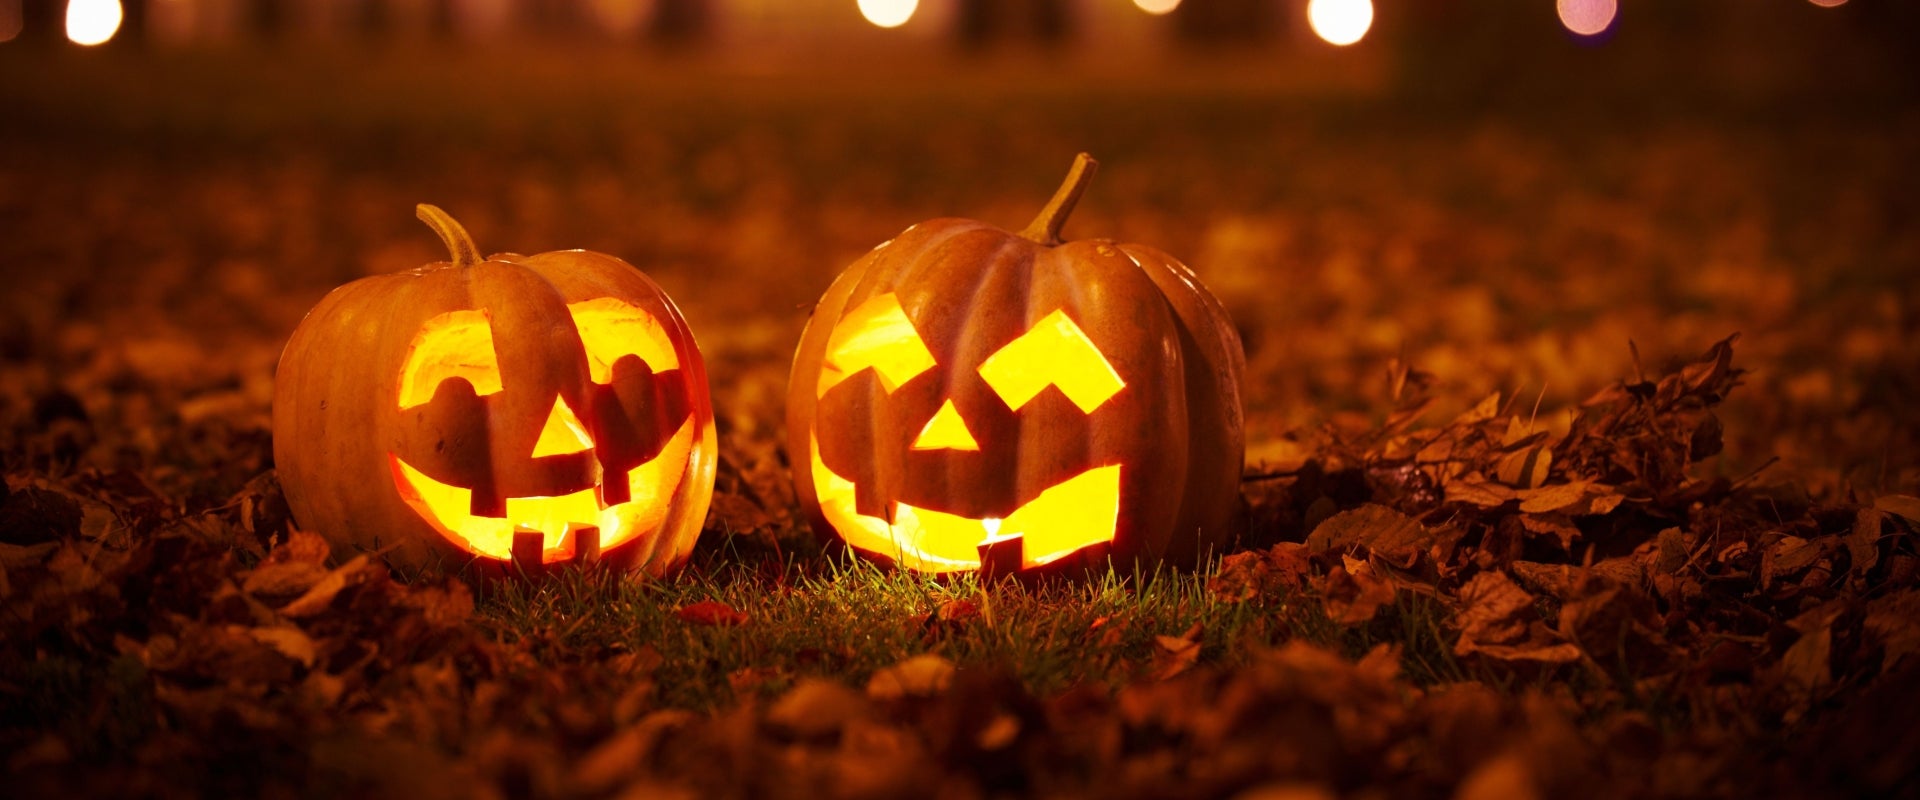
x: 1070, y: 515
x: 608, y: 458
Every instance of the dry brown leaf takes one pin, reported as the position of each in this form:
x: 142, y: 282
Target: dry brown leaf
x: 1863, y: 544
x: 447, y: 605
x: 1558, y: 526
x: 1493, y: 610
x: 1484, y: 494
x: 1786, y: 557
x: 1554, y: 498
x: 289, y: 640
x: 1354, y: 592
x: 924, y: 675
x: 1905, y: 506
x: 1176, y: 654
x: 711, y: 613
x: 1807, y: 670
x: 1895, y: 621
x: 1507, y: 776
x: 1525, y: 468
x: 274, y: 580
x: 816, y: 707
x: 1480, y: 412
x: 316, y: 599
x: 1388, y: 534
x: 625, y: 753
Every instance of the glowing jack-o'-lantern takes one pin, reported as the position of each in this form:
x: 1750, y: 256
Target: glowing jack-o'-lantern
x: 968, y: 398
x: 542, y: 409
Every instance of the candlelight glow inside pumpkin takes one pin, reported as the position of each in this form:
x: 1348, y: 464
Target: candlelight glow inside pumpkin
x: 1066, y: 517
x: 967, y: 398
x: 458, y: 345
x: 533, y: 409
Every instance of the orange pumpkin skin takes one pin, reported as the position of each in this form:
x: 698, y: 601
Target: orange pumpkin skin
x: 433, y: 413
x: 973, y: 293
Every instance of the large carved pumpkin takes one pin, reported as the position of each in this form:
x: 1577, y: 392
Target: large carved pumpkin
x: 969, y: 398
x: 538, y: 409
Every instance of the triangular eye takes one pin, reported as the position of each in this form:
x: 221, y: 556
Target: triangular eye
x: 563, y: 434
x: 1055, y: 351
x: 946, y: 431
x: 878, y: 334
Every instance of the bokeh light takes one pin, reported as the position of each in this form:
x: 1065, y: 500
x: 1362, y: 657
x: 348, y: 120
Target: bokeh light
x: 10, y: 20
x: 1340, y: 22
x: 1828, y: 3
x: 91, y: 22
x: 888, y: 13
x: 1157, y: 6
x: 1588, y: 17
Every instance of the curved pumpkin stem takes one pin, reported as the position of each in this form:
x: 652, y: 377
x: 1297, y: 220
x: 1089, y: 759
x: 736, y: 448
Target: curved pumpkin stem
x: 1045, y: 228
x: 465, y: 254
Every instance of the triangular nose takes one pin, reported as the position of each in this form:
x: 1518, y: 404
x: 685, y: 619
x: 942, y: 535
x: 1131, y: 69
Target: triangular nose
x: 946, y: 431
x: 563, y: 434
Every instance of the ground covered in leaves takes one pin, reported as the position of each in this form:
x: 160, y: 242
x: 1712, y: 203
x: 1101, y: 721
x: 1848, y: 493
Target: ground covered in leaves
x: 1582, y: 458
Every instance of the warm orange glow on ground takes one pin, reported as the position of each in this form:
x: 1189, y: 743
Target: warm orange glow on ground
x: 1828, y: 3
x: 1340, y: 22
x: 888, y: 13
x: 447, y: 507
x: 563, y: 433
x: 946, y: 431
x: 1071, y: 515
x: 1055, y: 351
x: 1587, y: 17
x: 457, y: 344
x: 878, y: 335
x: 91, y: 22
x: 612, y: 328
x: 1156, y: 7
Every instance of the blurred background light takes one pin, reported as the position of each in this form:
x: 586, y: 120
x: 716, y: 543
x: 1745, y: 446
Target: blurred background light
x: 1340, y: 22
x: 1157, y: 6
x: 1588, y: 17
x: 888, y: 13
x: 10, y: 21
x: 1828, y: 3
x: 91, y: 22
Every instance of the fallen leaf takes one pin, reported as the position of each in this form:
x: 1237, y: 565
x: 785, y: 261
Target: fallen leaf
x: 1354, y: 593
x: 1384, y: 532
x: 924, y: 675
x: 1787, y: 556
x: 1863, y: 543
x: 1553, y: 498
x: 1525, y: 468
x: 289, y: 640
x: 321, y: 595
x: 1558, y: 526
x: 1481, y: 493
x: 1176, y: 654
x: 1807, y: 668
x: 1903, y: 505
x: 1504, y: 777
x: 711, y: 613
x: 815, y: 708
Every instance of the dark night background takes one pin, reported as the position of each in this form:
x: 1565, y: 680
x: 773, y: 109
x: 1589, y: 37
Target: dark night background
x: 1470, y: 189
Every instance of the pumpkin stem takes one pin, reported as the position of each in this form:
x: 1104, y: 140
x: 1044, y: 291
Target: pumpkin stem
x: 1046, y: 227
x: 465, y: 254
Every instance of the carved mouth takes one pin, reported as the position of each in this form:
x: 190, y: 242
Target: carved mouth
x: 448, y: 508
x: 1071, y: 515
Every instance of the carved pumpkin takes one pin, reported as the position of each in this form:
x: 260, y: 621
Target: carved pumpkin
x: 541, y: 409
x: 968, y: 398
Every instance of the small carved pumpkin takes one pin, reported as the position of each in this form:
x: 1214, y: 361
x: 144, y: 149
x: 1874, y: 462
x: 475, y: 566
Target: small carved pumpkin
x: 968, y: 398
x: 540, y: 409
